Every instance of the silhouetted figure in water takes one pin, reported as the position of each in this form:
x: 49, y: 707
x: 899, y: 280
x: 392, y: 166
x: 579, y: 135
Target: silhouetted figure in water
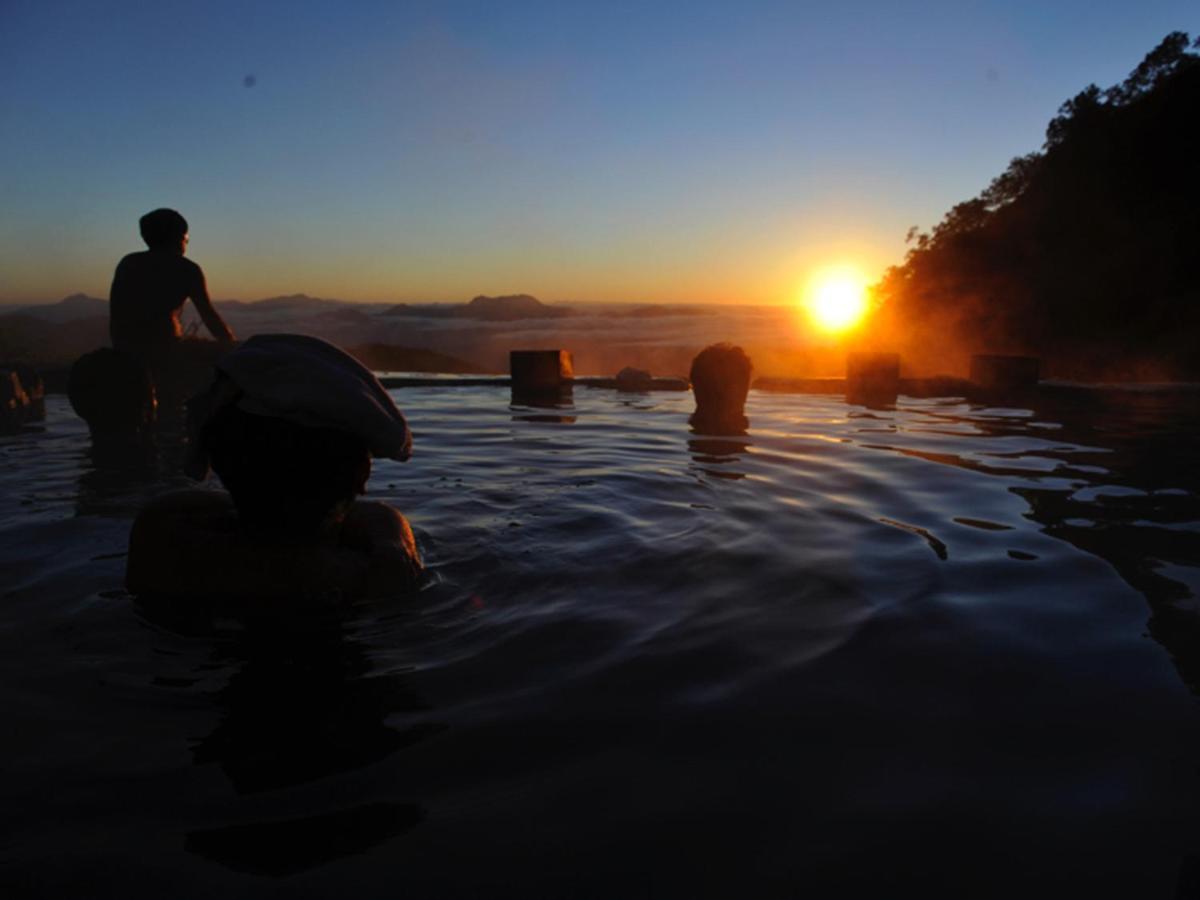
x: 112, y: 391
x: 289, y: 425
x: 720, y: 379
x: 149, y: 289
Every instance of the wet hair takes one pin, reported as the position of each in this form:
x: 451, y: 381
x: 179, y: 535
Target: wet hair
x: 113, y: 392
x: 720, y: 377
x: 283, y: 477
x: 162, y: 228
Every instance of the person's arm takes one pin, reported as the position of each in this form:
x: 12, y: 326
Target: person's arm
x: 208, y: 313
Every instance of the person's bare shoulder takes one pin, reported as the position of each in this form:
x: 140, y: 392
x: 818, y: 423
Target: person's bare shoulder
x: 190, y: 271
x: 131, y: 262
x: 369, y: 522
x: 382, y: 532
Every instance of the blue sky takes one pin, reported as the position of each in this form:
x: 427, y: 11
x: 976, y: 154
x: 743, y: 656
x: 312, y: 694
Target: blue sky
x: 432, y: 151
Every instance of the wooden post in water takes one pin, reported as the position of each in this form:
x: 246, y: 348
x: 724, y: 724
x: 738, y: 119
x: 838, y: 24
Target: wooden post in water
x: 540, y: 376
x: 872, y: 378
x: 1004, y: 373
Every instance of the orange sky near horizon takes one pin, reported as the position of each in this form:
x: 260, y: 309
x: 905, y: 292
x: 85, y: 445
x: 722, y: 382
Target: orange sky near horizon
x: 668, y: 153
x: 755, y: 269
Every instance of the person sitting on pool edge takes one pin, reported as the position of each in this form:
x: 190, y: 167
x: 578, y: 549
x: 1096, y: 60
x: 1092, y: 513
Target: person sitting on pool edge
x: 289, y: 426
x: 150, y: 287
x: 149, y: 290
x: 720, y: 379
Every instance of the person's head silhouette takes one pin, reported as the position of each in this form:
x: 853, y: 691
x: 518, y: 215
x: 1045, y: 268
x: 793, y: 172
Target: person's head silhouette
x: 164, y: 229
x: 720, y: 379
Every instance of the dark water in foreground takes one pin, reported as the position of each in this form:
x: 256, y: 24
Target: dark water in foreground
x: 941, y: 648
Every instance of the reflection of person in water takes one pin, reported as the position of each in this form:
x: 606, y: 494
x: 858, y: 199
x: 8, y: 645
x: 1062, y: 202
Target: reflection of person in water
x: 303, y: 703
x: 149, y: 289
x: 726, y: 452
x: 720, y: 379
x: 289, y: 425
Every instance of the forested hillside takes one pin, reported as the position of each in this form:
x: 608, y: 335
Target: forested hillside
x: 1086, y: 253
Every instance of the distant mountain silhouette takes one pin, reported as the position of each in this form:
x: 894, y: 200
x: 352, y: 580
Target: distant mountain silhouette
x: 483, y: 308
x: 473, y: 337
x: 393, y: 358
x: 76, y: 306
x: 513, y: 306
x: 1083, y: 253
x: 51, y: 339
x: 426, y: 310
x: 488, y: 309
x: 288, y: 303
x: 657, y: 311
x: 344, y: 315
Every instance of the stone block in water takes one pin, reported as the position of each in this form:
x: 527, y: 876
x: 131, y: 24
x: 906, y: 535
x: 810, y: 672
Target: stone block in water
x: 634, y: 380
x: 875, y: 376
x: 1004, y: 373
x: 540, y: 371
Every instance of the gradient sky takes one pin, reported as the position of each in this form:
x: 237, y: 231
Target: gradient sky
x: 659, y: 152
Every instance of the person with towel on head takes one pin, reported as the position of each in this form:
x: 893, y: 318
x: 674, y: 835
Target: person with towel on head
x: 289, y: 425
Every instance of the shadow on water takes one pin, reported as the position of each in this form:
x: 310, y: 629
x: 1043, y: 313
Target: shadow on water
x: 725, y: 452
x: 1146, y: 528
x: 296, y: 845
x: 719, y: 439
x: 545, y: 419
x: 524, y: 402
x: 115, y: 477
x: 303, y: 703
x: 1129, y: 497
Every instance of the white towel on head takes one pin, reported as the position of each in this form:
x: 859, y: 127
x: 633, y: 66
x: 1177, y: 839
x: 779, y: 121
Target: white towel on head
x: 313, y: 383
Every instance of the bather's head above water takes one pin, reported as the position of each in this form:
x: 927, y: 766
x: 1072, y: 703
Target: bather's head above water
x: 720, y: 379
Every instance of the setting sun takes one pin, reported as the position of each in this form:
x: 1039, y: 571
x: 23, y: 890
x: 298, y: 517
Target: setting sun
x: 836, y: 299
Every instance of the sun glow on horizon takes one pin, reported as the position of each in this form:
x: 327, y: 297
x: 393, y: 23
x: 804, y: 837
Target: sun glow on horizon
x: 836, y: 299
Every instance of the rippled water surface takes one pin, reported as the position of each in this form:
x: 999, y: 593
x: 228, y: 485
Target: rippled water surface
x: 940, y: 647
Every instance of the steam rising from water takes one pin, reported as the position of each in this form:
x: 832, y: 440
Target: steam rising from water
x: 603, y: 339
